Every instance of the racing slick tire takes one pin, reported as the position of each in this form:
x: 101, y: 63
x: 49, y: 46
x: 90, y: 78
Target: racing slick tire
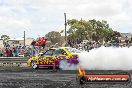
x: 34, y: 65
x: 63, y: 65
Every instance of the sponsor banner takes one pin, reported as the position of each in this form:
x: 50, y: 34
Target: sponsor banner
x: 103, y: 78
x: 108, y: 78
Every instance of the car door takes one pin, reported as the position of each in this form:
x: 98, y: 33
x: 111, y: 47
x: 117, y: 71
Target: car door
x: 47, y: 58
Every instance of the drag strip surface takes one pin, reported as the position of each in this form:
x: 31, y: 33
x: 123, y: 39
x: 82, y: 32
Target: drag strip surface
x: 18, y: 77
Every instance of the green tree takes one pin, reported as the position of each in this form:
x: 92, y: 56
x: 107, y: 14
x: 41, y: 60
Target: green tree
x: 79, y: 29
x: 91, y: 30
x: 61, y: 31
x: 55, y: 37
x: 5, y: 39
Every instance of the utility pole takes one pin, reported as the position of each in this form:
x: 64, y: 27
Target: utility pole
x: 65, y: 29
x: 82, y: 28
x: 24, y: 39
x: 81, y: 21
x: 81, y: 31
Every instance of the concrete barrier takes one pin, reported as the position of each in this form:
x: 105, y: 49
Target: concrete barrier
x: 13, y: 61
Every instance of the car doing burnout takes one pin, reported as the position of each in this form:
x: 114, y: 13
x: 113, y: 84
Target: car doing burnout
x: 54, y: 57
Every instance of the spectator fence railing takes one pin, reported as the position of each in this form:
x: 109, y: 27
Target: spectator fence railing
x: 13, y: 61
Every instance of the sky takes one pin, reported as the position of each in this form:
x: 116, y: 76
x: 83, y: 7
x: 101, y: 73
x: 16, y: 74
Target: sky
x: 38, y: 17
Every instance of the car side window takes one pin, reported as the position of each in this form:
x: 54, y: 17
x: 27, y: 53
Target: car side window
x: 48, y: 53
x: 60, y: 51
x: 63, y: 52
x: 57, y: 52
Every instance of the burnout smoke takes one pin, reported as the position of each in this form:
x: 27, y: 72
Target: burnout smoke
x: 64, y: 65
x: 107, y: 58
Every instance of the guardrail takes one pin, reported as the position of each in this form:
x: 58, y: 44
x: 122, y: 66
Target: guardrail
x: 13, y: 61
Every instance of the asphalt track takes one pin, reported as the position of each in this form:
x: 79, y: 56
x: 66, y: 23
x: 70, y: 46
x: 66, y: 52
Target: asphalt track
x: 22, y: 77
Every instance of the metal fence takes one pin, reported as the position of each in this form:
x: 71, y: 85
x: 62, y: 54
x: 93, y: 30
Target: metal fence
x: 13, y: 61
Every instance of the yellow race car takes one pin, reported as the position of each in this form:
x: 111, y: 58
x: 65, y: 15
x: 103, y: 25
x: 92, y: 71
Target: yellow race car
x: 54, y: 57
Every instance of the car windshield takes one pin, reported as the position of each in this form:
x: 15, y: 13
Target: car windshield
x: 73, y: 50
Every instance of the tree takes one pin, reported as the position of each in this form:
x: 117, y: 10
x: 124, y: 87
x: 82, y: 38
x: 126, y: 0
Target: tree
x: 55, y: 37
x: 61, y: 31
x: 115, y: 36
x: 5, y: 39
x: 91, y: 30
x: 79, y: 29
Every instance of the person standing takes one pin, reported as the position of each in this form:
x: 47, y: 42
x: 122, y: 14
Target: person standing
x: 1, y: 53
x: 16, y: 52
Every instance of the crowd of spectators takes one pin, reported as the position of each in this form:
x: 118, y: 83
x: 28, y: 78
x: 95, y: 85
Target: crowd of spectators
x: 87, y: 46
x: 28, y: 51
x: 19, y: 51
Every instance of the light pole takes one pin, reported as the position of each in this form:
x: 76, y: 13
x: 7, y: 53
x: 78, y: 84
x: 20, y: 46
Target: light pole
x: 65, y: 29
x: 24, y: 39
x: 24, y: 42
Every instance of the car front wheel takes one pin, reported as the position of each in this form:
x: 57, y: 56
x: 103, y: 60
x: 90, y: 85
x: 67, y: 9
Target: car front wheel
x: 34, y: 65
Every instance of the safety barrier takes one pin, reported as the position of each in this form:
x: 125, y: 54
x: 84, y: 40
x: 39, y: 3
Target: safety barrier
x: 13, y: 61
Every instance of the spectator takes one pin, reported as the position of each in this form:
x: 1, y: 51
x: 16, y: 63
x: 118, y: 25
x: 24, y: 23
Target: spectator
x: 16, y: 52
x: 1, y: 52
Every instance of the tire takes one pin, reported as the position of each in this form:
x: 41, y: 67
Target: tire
x: 63, y: 65
x: 34, y: 65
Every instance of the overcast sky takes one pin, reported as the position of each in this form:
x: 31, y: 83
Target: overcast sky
x: 38, y: 17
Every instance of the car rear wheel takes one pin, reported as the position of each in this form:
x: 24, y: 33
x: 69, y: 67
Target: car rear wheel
x: 63, y: 65
x: 34, y: 65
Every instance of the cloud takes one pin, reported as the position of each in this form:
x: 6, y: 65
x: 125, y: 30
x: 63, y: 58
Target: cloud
x: 38, y: 17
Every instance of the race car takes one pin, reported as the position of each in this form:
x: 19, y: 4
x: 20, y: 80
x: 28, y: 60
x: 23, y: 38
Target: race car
x: 54, y: 57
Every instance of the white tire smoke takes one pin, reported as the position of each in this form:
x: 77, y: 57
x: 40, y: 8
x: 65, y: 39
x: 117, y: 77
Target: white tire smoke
x: 64, y: 65
x: 107, y: 58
